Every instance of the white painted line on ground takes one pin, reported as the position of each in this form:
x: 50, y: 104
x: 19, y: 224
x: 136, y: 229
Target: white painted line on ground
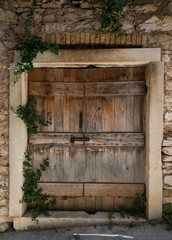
x: 103, y: 235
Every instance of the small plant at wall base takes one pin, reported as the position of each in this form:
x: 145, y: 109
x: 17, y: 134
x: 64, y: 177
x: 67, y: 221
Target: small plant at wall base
x: 110, y: 216
x: 27, y: 114
x: 138, y: 208
x: 32, y: 193
x: 168, y: 215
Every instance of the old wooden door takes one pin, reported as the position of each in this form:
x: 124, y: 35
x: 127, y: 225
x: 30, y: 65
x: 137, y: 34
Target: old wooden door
x: 98, y: 131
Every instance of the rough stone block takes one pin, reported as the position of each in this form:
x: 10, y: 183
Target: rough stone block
x: 4, y: 227
x: 167, y: 150
x: 167, y: 158
x: 168, y: 192
x: 52, y: 5
x: 167, y: 168
x: 168, y: 180
x: 85, y: 5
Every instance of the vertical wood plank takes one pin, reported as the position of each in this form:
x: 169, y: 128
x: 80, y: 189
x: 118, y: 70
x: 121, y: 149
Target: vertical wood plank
x: 94, y: 75
x: 37, y: 75
x: 50, y: 75
x: 79, y: 165
x: 120, y: 114
x: 108, y: 114
x: 108, y: 165
x: 76, y: 108
x: 90, y: 204
x: 90, y: 114
x: 90, y: 165
x: 120, y: 164
x: 58, y: 75
x: 107, y: 203
x: 58, y: 113
x: 99, y: 163
x: 137, y: 117
x: 66, y: 114
x: 130, y: 114
x: 98, y: 117
x: 39, y: 110
x: 69, y: 75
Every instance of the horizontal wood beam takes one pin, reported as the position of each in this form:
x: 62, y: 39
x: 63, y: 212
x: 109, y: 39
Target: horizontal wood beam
x: 92, y: 189
x: 87, y: 89
x: 99, y: 139
x: 116, y: 190
x: 62, y: 189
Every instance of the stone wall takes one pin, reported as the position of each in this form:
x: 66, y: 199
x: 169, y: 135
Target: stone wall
x: 149, y: 26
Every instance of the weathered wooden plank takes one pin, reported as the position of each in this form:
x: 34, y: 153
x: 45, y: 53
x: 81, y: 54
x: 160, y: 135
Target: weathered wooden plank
x: 116, y: 190
x: 129, y: 164
x: 130, y: 114
x: 80, y: 75
x: 78, y: 157
x: 69, y: 75
x: 50, y: 113
x: 57, y: 138
x: 39, y: 109
x: 66, y: 114
x: 58, y: 114
x: 56, y: 89
x: 37, y: 75
x: 99, y: 139
x: 137, y: 114
x: 108, y: 114
x: 59, y: 75
x: 90, y: 165
x: 93, y: 75
x: 62, y: 189
x: 115, y: 88
x: 126, y: 202
x: 98, y: 117
x: 90, y: 204
x: 91, y: 89
x: 90, y: 114
x: 120, y: 114
x: 108, y: 204
x: 108, y: 165
x: 50, y: 75
x: 76, y: 106
x: 123, y: 74
x: 120, y: 155
x: 56, y: 170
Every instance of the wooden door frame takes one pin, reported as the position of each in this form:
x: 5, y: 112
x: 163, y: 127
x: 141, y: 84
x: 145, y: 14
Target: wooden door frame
x: 149, y: 57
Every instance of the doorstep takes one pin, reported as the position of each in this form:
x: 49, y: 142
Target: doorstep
x: 61, y: 219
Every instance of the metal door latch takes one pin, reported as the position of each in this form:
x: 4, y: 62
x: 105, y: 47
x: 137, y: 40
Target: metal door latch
x: 74, y: 139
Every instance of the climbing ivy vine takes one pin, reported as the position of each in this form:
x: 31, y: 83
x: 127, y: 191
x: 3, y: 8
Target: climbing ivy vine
x: 33, y: 194
x: 27, y: 114
x: 29, y: 47
x: 112, y: 14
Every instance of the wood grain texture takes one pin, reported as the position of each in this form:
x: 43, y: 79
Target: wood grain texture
x: 106, y: 106
x: 116, y: 190
x: 56, y: 89
x: 115, y: 88
x: 87, y: 89
x: 100, y: 139
x: 62, y: 189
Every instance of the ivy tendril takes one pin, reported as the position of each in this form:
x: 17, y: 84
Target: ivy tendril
x: 27, y: 114
x: 32, y: 193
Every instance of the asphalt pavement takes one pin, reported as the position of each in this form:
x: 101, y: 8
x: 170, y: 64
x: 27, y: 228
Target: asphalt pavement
x: 143, y: 232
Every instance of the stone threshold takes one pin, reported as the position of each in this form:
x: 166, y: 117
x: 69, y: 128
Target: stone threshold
x: 61, y: 219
